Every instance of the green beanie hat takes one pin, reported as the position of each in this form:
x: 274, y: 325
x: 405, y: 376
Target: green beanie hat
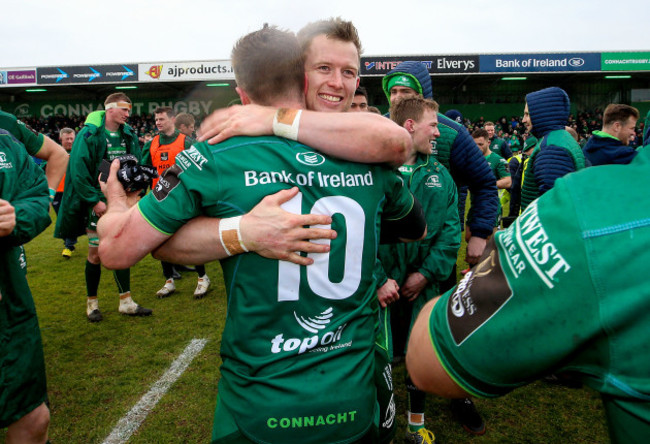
x: 530, y: 142
x: 401, y: 79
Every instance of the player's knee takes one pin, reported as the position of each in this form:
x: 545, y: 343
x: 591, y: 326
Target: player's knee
x: 40, y: 423
x: 31, y: 427
x: 93, y: 255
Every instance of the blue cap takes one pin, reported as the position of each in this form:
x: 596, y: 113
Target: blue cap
x: 455, y: 115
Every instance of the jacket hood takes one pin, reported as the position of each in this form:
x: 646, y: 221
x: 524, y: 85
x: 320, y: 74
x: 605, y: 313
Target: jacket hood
x: 548, y: 109
x: 414, y: 69
x: 95, y: 118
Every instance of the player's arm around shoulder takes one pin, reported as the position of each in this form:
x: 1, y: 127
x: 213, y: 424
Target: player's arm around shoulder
x: 358, y: 137
x: 125, y: 236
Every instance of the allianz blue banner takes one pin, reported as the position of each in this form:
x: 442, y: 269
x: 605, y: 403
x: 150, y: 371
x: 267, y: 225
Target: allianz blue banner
x: 522, y: 63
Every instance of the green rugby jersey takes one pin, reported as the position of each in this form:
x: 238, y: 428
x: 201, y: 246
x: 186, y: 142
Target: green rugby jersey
x: 563, y: 302
x: 298, y: 345
x: 498, y: 165
x: 115, y: 144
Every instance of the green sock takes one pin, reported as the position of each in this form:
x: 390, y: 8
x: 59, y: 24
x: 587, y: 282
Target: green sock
x: 93, y: 273
x: 123, y: 280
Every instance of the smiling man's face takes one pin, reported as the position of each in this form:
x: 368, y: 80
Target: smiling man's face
x: 332, y: 68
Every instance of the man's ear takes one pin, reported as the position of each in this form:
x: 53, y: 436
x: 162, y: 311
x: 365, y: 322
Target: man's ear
x: 358, y: 81
x: 245, y: 100
x: 409, y: 124
x: 306, y: 84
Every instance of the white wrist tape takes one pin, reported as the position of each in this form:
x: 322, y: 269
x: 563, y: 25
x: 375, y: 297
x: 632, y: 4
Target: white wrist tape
x: 286, y: 123
x: 230, y: 236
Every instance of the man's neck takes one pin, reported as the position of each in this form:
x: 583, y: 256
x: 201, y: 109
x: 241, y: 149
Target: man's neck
x: 111, y: 126
x: 169, y: 133
x: 410, y: 160
x: 295, y: 104
x: 608, y: 131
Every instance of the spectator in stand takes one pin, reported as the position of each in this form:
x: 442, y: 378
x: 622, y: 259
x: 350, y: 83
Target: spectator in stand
x: 611, y: 144
x: 515, y: 142
x: 514, y: 122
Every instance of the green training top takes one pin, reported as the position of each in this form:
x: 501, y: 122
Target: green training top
x: 560, y: 300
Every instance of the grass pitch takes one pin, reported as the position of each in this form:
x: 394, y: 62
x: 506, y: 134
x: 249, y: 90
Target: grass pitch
x: 98, y: 372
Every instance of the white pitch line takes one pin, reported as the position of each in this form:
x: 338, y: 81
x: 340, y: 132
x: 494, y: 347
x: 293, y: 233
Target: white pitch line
x: 130, y: 423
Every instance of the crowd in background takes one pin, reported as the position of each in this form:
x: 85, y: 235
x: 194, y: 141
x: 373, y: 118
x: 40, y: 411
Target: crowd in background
x: 508, y: 128
x: 584, y: 122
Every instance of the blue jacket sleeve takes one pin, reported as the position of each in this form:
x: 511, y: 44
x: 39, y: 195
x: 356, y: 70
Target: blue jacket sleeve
x: 552, y: 163
x: 469, y: 167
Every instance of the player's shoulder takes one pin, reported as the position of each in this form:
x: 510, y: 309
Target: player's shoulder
x: 197, y: 156
x: 10, y: 148
x: 439, y: 168
x: 7, y: 121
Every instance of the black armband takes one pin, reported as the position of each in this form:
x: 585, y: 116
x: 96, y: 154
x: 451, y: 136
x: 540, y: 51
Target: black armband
x: 412, y: 226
